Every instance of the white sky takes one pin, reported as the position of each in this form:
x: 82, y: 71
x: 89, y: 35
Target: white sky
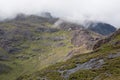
x: 101, y: 10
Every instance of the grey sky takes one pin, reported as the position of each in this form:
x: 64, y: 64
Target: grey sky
x: 101, y: 10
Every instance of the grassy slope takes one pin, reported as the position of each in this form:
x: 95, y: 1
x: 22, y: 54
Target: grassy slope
x: 109, y: 71
x: 38, y: 53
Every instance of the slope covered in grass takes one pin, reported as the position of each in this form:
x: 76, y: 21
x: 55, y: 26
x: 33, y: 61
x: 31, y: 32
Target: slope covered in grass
x: 27, y: 47
x: 31, y: 43
x: 101, y: 64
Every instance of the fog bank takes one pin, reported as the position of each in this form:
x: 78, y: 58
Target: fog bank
x: 76, y: 10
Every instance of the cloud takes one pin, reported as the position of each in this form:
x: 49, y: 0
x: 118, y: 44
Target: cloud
x: 80, y: 10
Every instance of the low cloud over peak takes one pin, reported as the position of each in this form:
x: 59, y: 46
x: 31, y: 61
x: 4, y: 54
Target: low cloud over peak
x: 79, y: 10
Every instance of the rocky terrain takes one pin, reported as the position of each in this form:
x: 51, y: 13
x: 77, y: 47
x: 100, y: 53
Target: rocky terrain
x: 29, y: 43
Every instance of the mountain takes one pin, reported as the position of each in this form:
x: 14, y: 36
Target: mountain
x: 83, y: 39
x: 101, y: 28
x: 31, y: 43
x: 68, y: 26
x: 101, y: 64
x: 46, y: 15
x: 97, y: 27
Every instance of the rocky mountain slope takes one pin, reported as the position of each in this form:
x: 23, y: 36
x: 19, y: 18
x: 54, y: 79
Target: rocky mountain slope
x: 29, y: 43
x: 101, y: 64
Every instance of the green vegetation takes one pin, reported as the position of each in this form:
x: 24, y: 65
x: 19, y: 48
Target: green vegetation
x: 32, y: 49
x: 110, y: 70
x: 27, y: 50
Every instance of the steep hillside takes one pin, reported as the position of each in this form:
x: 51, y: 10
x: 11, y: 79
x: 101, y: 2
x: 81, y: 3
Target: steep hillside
x: 101, y: 64
x: 31, y: 43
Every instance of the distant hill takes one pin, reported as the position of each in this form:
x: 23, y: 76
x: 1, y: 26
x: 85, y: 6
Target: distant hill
x: 101, y: 28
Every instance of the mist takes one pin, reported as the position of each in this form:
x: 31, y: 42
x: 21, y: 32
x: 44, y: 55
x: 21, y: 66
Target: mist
x: 76, y: 10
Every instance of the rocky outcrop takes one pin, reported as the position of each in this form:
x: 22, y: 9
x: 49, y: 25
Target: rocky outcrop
x: 11, y: 39
x: 43, y: 18
x: 107, y: 39
x: 46, y: 15
x: 85, y: 38
x: 68, y: 26
x: 91, y: 64
x: 101, y: 42
x: 94, y: 63
x: 49, y: 30
x: 4, y: 68
x: 4, y: 58
x: 114, y: 55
